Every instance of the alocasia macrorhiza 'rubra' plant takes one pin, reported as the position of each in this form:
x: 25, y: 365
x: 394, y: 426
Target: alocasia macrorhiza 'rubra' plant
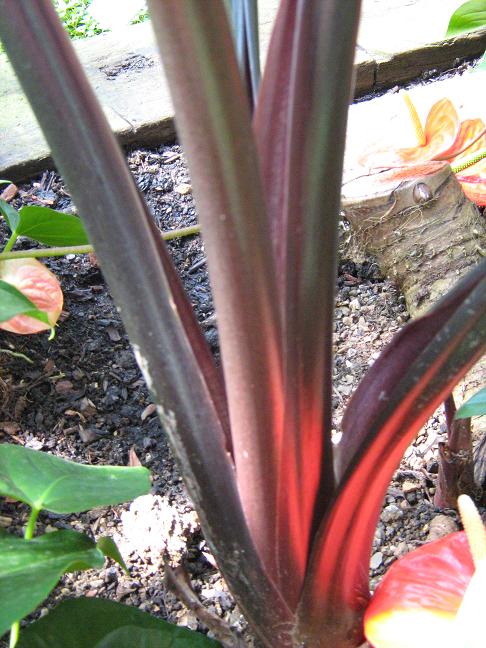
x: 289, y: 517
x: 444, y: 137
x: 435, y: 594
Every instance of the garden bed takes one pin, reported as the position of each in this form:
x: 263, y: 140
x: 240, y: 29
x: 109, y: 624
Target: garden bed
x: 81, y: 396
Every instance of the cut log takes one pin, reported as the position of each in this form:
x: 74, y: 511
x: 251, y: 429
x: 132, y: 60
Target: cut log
x: 423, y: 231
x: 425, y: 235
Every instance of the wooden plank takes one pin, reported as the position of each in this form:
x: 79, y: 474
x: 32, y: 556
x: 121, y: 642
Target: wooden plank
x: 126, y: 74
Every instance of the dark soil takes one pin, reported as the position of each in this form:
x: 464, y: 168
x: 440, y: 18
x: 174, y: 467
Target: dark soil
x: 81, y: 396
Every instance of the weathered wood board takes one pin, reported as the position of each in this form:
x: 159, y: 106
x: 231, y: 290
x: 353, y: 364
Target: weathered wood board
x: 126, y: 74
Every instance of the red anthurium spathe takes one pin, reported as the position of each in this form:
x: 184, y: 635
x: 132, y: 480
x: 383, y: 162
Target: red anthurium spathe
x: 429, y: 597
x: 40, y: 285
x: 443, y: 137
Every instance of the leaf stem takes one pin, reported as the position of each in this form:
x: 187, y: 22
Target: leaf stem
x: 28, y: 535
x: 10, y: 243
x: 167, y: 235
x: 14, y: 634
x: 31, y: 522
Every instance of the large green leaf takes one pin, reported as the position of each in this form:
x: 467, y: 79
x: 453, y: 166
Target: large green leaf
x: 46, y: 482
x: 50, y: 227
x: 13, y: 302
x: 10, y: 214
x: 130, y: 636
x: 470, y: 15
x: 168, y: 637
x: 475, y: 406
x: 97, y: 623
x: 30, y: 569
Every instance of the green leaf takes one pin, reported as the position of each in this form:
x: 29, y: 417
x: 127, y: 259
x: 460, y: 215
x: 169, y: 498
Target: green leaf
x: 108, y: 546
x: 30, y: 569
x: 10, y: 214
x: 51, y: 227
x: 471, y: 15
x: 46, y: 482
x: 475, y: 406
x: 130, y: 636
x: 7, y: 182
x: 97, y: 623
x: 13, y: 302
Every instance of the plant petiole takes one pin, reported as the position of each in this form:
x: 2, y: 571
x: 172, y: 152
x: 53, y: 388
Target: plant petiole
x: 28, y: 535
x: 31, y: 522
x: 14, y: 634
x: 10, y: 243
x: 167, y: 235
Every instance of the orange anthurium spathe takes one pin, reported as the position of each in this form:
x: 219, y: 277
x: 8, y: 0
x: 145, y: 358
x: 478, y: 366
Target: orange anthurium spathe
x: 444, y: 137
x: 472, y: 177
x: 39, y: 285
x: 429, y: 597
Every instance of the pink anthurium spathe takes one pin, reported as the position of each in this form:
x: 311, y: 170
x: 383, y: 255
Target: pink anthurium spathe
x: 430, y: 596
x: 39, y: 285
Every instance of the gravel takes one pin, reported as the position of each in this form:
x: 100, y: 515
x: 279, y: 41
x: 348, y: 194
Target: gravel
x: 82, y: 397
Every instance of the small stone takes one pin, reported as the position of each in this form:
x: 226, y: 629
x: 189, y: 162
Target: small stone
x: 111, y: 575
x: 345, y: 389
x: 88, y: 435
x: 113, y: 333
x: 440, y: 526
x: 391, y: 513
x: 183, y: 188
x: 401, y: 549
x: 63, y: 386
x: 376, y: 560
x: 410, y: 487
x: 147, y: 443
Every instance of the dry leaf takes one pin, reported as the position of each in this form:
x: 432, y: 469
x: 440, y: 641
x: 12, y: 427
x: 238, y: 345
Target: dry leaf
x: 133, y: 460
x: 150, y: 409
x: 9, y: 192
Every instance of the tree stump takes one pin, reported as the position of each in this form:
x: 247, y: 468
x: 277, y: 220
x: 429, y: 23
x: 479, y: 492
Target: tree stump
x: 425, y: 235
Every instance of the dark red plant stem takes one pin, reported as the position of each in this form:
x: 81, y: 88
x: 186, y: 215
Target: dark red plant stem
x: 336, y: 589
x: 456, y: 464
x: 214, y: 124
x: 146, y: 290
x: 300, y: 124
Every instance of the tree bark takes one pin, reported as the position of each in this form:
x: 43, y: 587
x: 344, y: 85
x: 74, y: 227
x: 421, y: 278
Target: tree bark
x: 425, y: 235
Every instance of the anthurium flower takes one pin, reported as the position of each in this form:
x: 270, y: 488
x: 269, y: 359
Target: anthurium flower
x: 472, y: 176
x: 428, y: 597
x: 444, y: 137
x: 39, y: 285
